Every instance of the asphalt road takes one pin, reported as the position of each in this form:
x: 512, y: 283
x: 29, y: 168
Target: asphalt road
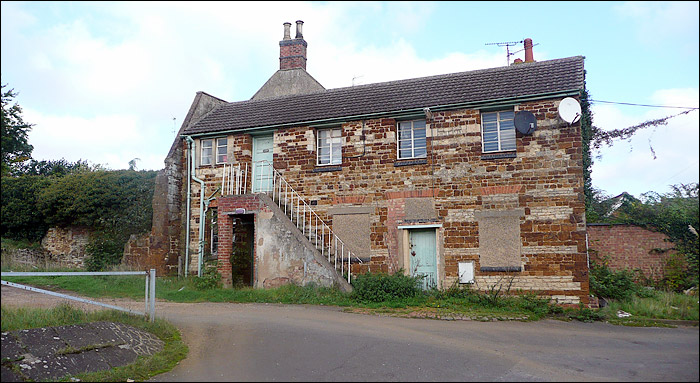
x: 232, y: 342
x: 261, y: 342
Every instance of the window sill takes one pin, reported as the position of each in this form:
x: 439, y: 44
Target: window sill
x: 327, y: 168
x: 495, y: 156
x: 506, y: 268
x: 410, y: 162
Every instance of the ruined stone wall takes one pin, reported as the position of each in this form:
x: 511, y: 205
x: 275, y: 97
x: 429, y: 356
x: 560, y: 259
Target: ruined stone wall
x: 541, y: 184
x: 66, y: 245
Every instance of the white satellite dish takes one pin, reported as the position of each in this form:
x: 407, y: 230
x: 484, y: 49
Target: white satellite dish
x: 570, y: 110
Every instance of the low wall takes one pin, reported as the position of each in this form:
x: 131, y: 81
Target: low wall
x: 629, y: 247
x: 66, y: 245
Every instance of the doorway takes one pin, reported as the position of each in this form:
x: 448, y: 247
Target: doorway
x: 262, y: 163
x: 242, y: 255
x: 423, y: 253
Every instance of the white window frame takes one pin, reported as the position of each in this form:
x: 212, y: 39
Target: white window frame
x: 502, y: 141
x: 334, y: 141
x: 210, y: 157
x: 412, y: 141
x: 219, y: 153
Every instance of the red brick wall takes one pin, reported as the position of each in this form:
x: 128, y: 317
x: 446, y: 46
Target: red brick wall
x: 226, y: 207
x: 629, y: 247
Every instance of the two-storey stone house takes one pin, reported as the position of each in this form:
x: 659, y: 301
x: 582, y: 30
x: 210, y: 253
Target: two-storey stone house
x: 427, y: 175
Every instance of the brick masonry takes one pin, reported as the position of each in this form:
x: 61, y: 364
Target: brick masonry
x: 630, y: 247
x: 544, y: 179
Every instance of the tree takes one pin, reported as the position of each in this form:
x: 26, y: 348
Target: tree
x: 14, y: 146
x: 58, y: 168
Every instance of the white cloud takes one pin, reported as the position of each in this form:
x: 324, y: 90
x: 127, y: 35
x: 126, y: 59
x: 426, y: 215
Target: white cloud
x: 656, y: 21
x: 108, y: 95
x: 111, y: 140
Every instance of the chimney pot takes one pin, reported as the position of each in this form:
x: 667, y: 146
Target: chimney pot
x: 299, y: 35
x: 528, y: 51
x: 287, y: 27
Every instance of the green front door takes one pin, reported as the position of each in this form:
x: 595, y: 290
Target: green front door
x: 423, y: 256
x: 262, y: 164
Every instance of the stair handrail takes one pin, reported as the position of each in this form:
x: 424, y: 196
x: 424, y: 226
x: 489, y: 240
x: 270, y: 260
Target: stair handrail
x: 240, y: 186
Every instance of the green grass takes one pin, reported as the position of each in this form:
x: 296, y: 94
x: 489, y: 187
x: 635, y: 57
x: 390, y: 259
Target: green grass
x: 143, y: 368
x: 659, y: 305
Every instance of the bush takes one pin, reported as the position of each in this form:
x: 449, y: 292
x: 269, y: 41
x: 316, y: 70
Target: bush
x: 380, y: 287
x: 606, y: 283
x: 21, y: 219
x: 210, y: 278
x: 676, y: 276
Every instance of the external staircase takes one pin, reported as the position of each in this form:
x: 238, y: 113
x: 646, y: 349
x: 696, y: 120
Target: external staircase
x: 238, y: 180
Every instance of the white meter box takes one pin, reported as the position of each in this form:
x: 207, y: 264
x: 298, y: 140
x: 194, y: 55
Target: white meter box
x: 466, y: 272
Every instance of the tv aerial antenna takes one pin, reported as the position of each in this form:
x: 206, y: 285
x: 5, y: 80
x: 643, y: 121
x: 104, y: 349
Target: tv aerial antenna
x: 507, y: 44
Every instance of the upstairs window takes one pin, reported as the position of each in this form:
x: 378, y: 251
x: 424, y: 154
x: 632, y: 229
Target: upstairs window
x: 497, y: 131
x: 329, y: 147
x: 221, y: 150
x: 411, y: 139
x: 207, y: 152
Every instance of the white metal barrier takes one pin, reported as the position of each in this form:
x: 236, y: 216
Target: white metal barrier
x: 150, y: 295
x: 235, y: 181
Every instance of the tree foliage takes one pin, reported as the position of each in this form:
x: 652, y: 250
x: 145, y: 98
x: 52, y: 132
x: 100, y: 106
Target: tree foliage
x: 20, y: 217
x: 115, y: 203
x: 56, y: 168
x: 14, y: 147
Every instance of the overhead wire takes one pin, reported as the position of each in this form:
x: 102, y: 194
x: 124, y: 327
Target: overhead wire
x: 650, y: 106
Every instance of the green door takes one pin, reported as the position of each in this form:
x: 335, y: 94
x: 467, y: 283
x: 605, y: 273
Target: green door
x: 262, y: 164
x: 423, y: 259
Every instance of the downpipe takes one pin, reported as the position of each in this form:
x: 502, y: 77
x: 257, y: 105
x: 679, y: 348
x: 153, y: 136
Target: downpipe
x: 200, y: 247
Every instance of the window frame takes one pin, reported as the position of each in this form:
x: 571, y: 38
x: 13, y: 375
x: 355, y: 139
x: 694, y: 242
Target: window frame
x: 412, y: 139
x: 339, y: 142
x: 225, y: 153
x: 201, y: 151
x: 500, y: 141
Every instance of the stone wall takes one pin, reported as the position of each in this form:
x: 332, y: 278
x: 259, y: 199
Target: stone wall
x: 629, y: 247
x: 66, y: 245
x: 543, y: 179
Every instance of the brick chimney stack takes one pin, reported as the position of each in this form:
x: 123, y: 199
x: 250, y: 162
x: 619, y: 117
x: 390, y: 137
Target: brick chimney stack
x: 528, y: 51
x: 293, y: 51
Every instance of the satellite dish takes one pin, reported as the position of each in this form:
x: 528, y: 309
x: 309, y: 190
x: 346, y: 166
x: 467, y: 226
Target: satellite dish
x: 525, y: 122
x: 570, y: 110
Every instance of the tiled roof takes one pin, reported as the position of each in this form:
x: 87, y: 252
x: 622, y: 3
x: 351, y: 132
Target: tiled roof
x: 513, y: 81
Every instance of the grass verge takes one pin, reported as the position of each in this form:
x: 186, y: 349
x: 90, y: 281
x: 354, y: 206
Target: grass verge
x: 174, y: 350
x: 454, y: 303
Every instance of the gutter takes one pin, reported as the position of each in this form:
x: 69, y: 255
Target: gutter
x: 507, y: 101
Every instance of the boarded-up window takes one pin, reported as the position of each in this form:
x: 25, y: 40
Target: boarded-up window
x: 352, y: 225
x: 419, y: 209
x: 499, y: 240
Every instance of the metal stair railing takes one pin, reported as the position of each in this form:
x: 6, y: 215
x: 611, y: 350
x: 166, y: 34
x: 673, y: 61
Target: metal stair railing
x: 271, y: 182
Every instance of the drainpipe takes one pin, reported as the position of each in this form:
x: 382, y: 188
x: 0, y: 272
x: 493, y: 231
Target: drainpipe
x: 200, y: 250
x: 187, y: 222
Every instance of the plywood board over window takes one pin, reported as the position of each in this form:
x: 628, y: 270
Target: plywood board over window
x: 499, y: 239
x: 352, y: 226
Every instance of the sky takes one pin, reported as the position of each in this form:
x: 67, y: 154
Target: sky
x: 108, y: 82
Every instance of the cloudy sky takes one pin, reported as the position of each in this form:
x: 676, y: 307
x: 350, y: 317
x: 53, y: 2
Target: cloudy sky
x: 109, y: 82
